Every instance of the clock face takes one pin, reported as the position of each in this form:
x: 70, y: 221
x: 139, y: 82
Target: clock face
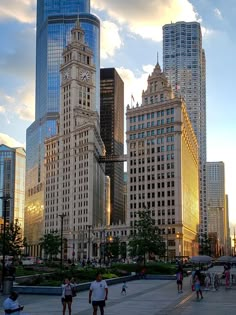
x: 84, y: 75
x: 66, y: 75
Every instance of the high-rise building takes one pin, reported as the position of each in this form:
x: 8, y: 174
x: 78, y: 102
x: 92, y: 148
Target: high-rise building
x: 75, y: 180
x: 55, y: 19
x: 162, y: 166
x: 185, y: 67
x: 12, y: 183
x: 216, y: 205
x: 112, y: 132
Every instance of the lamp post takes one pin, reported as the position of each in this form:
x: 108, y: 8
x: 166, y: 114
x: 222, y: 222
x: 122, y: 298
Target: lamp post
x: 62, y: 216
x: 178, y: 238
x: 5, y: 199
x: 89, y: 241
x: 167, y: 244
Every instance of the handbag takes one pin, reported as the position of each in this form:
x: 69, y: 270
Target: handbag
x: 73, y: 291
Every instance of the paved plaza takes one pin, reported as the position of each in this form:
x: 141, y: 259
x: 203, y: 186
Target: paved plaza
x: 152, y: 297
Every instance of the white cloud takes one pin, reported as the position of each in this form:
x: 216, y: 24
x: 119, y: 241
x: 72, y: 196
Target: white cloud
x: 21, y: 103
x: 110, y: 39
x: 20, y: 10
x: 2, y: 109
x: 9, y: 141
x: 218, y: 14
x: 146, y: 18
x: 134, y: 84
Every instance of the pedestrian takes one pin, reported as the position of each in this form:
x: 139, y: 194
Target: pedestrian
x: 98, y: 294
x: 67, y: 295
x: 179, y: 278
x: 227, y: 276
x: 197, y: 284
x: 11, y: 305
x: 124, y: 287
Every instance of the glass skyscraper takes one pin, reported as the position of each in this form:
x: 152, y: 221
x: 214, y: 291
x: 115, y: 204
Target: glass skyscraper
x: 55, y: 19
x: 12, y: 182
x: 112, y: 132
x: 185, y: 67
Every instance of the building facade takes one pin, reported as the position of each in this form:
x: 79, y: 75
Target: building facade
x: 162, y: 166
x: 217, y: 206
x: 12, y: 183
x: 75, y: 180
x: 112, y: 133
x: 184, y: 64
x: 55, y: 19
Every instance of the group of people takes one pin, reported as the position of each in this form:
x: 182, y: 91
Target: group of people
x: 98, y: 294
x: 196, y: 282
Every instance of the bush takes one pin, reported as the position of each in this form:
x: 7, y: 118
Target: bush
x: 151, y: 268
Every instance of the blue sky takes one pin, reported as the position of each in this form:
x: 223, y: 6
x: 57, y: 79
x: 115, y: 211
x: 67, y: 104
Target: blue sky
x: 131, y: 34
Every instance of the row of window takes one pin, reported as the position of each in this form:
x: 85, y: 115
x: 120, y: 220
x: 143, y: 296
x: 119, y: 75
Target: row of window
x: 150, y: 133
x: 152, y: 124
x: 169, y: 111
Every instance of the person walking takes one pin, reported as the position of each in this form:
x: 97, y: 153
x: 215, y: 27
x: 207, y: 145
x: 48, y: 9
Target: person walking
x: 197, y: 284
x: 124, y: 287
x: 11, y: 305
x: 67, y: 295
x: 227, y: 276
x: 98, y: 294
x: 179, y: 277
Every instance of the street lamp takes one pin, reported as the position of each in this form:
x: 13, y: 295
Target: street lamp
x: 5, y: 199
x: 62, y: 216
x: 89, y: 241
x: 167, y: 244
x: 178, y: 236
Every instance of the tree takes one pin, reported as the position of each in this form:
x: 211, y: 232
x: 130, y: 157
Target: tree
x: 14, y: 241
x: 147, y: 238
x: 114, y: 247
x: 51, y: 244
x: 204, y: 244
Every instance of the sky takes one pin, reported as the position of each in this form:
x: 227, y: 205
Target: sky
x: 131, y: 36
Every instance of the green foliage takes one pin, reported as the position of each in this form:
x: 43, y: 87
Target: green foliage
x: 113, y: 248
x: 147, y: 238
x: 151, y: 268
x: 14, y: 242
x: 204, y: 245
x: 51, y: 244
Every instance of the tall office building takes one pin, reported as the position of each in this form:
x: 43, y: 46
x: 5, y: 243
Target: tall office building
x: 185, y: 67
x: 216, y: 204
x: 12, y: 182
x: 162, y: 166
x: 55, y: 19
x: 112, y: 132
x: 75, y: 181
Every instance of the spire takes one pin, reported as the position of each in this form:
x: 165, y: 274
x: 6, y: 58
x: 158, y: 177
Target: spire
x: 77, y: 23
x: 157, y: 58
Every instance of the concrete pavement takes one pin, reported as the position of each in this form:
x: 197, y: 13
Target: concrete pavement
x: 153, y: 297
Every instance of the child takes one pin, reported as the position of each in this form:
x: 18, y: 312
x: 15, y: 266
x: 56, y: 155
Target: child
x: 179, y: 277
x: 124, y: 287
x: 197, y: 284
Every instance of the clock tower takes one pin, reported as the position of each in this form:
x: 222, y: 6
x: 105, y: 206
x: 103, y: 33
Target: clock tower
x: 73, y: 154
x: 79, y: 70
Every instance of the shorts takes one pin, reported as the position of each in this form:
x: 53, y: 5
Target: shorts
x: 179, y: 281
x: 66, y: 299
x: 197, y: 287
x: 99, y: 303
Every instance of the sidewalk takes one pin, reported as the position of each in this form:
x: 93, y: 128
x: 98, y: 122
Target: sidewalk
x: 152, y: 297
x: 143, y: 296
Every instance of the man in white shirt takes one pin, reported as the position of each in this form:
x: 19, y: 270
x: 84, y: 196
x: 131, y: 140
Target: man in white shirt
x: 98, y: 294
x: 11, y: 305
